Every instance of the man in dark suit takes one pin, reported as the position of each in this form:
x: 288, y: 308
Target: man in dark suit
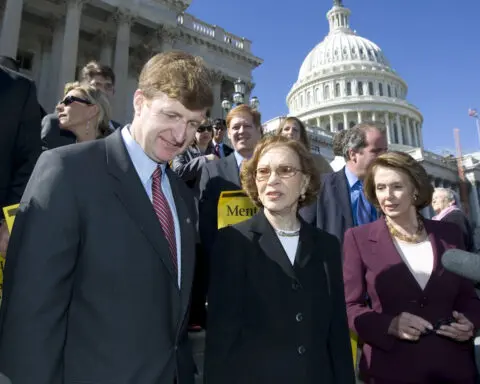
x: 101, y: 259
x: 341, y: 203
x: 94, y: 74
x: 244, y: 131
x: 20, y: 144
x: 221, y: 149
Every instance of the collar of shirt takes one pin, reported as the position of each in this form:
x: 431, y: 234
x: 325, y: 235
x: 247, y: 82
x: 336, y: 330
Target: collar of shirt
x: 239, y: 158
x: 142, y: 163
x: 351, y: 178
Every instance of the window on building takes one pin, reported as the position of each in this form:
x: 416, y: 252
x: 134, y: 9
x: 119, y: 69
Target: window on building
x: 380, y: 89
x: 308, y: 99
x: 370, y: 89
x: 396, y: 92
x: 395, y: 134
x: 352, y: 124
x: 326, y: 92
x: 349, y: 88
x: 301, y: 101
x: 317, y: 95
x: 360, y: 88
x: 340, y: 127
x: 328, y: 127
x: 25, y: 60
x: 389, y: 90
x: 337, y: 90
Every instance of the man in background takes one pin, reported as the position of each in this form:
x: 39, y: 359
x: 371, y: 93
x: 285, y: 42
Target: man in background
x: 221, y: 149
x: 94, y: 74
x: 338, y: 142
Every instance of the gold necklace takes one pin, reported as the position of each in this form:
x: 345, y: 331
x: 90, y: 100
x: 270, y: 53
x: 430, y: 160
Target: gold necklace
x: 417, y: 237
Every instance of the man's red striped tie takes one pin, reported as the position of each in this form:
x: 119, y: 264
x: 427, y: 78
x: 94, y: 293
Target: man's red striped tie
x: 164, y: 214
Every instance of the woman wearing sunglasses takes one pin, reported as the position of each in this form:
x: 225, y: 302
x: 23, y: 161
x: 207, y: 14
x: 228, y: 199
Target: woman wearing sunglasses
x: 188, y: 165
x: 276, y: 307
x: 84, y: 111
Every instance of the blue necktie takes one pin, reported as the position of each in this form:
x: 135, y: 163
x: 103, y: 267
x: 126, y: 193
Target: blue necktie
x: 364, y: 209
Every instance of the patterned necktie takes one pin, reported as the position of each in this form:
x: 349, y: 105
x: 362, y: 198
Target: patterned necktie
x: 364, y: 209
x: 164, y: 214
x: 217, y: 150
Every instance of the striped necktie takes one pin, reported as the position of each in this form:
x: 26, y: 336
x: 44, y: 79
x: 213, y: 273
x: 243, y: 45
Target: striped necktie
x: 164, y: 214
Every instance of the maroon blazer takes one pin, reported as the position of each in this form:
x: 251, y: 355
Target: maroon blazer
x: 373, y: 266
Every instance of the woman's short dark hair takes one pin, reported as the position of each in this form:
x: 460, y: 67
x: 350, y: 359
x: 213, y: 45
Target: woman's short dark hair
x: 307, y: 163
x: 303, y: 130
x: 406, y: 164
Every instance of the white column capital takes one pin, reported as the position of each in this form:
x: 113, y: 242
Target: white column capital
x: 122, y: 17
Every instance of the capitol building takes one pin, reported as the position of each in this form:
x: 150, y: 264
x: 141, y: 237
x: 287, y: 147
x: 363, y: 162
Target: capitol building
x: 346, y: 79
x: 54, y: 39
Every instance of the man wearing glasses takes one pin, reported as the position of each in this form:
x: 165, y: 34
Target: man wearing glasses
x: 221, y: 150
x: 94, y: 74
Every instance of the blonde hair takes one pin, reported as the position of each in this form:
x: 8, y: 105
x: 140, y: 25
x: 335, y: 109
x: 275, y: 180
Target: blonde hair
x: 98, y: 98
x: 244, y: 109
x: 303, y: 130
x: 180, y: 76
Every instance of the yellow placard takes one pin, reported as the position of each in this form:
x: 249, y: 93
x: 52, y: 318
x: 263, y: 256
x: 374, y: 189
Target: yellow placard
x: 9, y: 213
x: 354, y: 344
x: 234, y: 207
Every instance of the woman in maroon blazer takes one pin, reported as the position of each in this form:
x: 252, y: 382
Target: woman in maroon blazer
x: 419, y: 320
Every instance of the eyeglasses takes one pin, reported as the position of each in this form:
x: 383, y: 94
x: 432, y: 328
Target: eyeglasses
x: 204, y: 128
x: 283, y: 171
x: 72, y: 99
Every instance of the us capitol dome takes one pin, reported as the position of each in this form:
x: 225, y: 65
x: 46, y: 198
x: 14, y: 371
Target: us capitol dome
x: 346, y: 79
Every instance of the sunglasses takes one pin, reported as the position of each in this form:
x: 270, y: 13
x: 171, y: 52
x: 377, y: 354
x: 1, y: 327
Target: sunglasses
x: 204, y: 128
x: 72, y: 99
x: 218, y: 127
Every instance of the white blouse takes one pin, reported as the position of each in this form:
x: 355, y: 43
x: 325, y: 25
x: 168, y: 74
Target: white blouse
x: 419, y: 259
x: 290, y: 245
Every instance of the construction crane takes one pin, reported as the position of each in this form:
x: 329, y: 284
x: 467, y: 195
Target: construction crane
x: 461, y: 173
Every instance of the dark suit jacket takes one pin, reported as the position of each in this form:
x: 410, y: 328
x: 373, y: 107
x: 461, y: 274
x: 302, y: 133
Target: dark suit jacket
x: 90, y: 292
x: 188, y: 165
x: 54, y: 137
x: 269, y: 321
x: 373, y: 265
x: 20, y: 143
x: 458, y: 218
x: 217, y: 176
x: 332, y: 211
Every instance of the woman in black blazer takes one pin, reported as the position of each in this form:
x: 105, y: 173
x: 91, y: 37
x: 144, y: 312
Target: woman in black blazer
x: 276, y: 308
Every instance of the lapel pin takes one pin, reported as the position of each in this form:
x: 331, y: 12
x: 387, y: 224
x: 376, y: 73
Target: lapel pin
x: 188, y: 220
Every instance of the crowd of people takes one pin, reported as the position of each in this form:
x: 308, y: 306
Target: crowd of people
x: 116, y: 252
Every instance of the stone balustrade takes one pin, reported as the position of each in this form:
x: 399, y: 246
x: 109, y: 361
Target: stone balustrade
x: 214, y: 32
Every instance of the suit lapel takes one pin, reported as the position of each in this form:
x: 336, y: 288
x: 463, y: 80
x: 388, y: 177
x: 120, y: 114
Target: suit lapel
x: 129, y: 189
x: 269, y: 243
x: 341, y: 188
x: 306, y: 244
x: 187, y: 236
x: 230, y: 169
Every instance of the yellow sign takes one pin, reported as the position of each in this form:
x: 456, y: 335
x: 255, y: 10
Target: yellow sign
x: 234, y: 207
x: 354, y: 344
x: 9, y: 213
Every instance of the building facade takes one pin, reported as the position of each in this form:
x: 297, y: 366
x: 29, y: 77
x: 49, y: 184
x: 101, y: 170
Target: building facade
x: 53, y: 39
x: 346, y: 79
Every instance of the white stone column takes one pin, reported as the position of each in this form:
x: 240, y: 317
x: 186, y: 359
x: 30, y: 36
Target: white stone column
x: 319, y: 121
x: 46, y: 62
x: 387, y: 127
x: 374, y: 116
x: 11, y: 23
x: 409, y: 132
x: 332, y: 127
x: 359, y: 117
x: 419, y: 133
x: 106, y: 53
x: 473, y: 199
x: 399, y: 130
x: 217, y: 78
x: 345, y: 120
x: 120, y: 64
x: 68, y: 61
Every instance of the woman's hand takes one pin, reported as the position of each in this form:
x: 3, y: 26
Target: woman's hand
x: 408, y: 327
x: 461, y: 330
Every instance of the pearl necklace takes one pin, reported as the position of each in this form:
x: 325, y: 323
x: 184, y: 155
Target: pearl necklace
x: 287, y: 233
x: 417, y: 237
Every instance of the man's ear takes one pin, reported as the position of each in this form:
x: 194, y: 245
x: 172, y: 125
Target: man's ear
x: 138, y: 102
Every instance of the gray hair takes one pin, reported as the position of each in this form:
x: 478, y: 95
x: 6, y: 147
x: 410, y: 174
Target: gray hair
x: 356, y: 138
x: 450, y: 194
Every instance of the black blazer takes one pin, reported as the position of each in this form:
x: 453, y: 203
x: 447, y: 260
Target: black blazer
x: 333, y: 212
x: 458, y: 217
x: 90, y: 293
x: 20, y: 143
x: 216, y: 177
x: 269, y: 321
